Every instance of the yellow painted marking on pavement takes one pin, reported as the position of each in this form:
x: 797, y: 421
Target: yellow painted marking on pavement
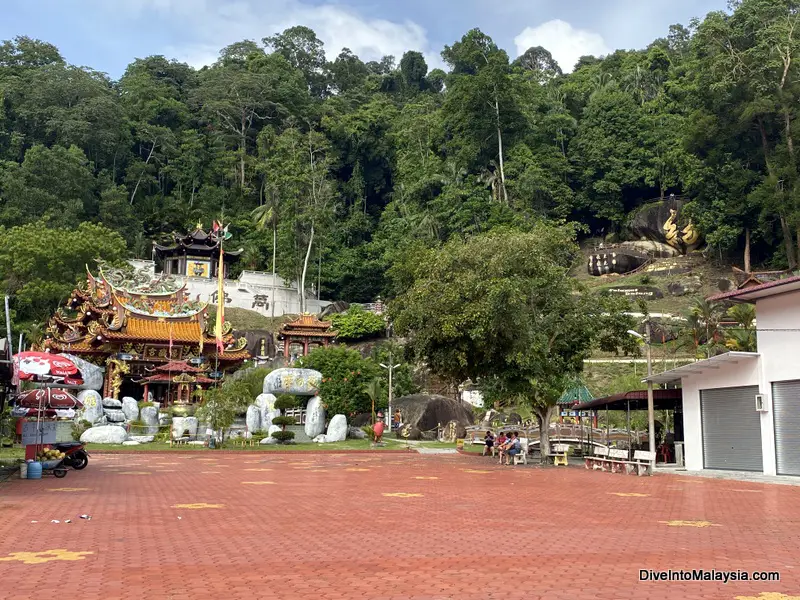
x: 198, y: 506
x: 421, y: 477
x: 69, y: 489
x: 36, y: 558
x: 769, y: 596
x: 134, y: 473
x: 402, y: 495
x: 629, y: 495
x: 690, y: 524
x: 258, y: 482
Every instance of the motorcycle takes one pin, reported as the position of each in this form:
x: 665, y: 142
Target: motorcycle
x: 75, y: 454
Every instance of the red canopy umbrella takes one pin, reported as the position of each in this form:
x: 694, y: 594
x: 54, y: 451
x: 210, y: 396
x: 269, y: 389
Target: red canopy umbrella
x: 48, y: 398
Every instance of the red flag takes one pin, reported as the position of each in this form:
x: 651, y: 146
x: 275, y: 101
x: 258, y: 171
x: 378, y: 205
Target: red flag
x: 215, y: 226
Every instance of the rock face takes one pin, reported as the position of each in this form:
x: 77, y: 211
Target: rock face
x: 299, y: 382
x: 663, y: 221
x: 356, y: 433
x: 687, y: 285
x: 191, y: 423
x: 409, y: 432
x: 725, y: 285
x: 337, y: 429
x: 636, y: 291
x: 92, y: 374
x: 150, y: 417
x: 179, y: 428
x: 651, y: 248
x: 111, y: 403
x: 105, y: 434
x: 253, y: 418
x: 92, y: 406
x: 115, y: 415
x: 315, y: 417
x: 425, y: 412
x: 131, y: 408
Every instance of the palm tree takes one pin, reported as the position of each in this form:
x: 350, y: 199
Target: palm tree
x: 708, y: 316
x: 374, y: 391
x: 742, y: 339
x: 264, y: 215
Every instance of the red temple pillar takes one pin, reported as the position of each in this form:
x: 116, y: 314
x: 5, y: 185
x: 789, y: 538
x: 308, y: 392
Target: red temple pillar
x: 146, y: 391
x: 305, y: 347
x: 286, y: 343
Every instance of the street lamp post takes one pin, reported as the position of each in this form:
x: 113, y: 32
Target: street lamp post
x: 651, y: 418
x: 390, y: 367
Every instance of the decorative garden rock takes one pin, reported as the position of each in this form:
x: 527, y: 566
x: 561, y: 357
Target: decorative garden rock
x: 179, y: 428
x: 315, y: 417
x: 111, y: 403
x: 191, y: 423
x: 130, y: 443
x: 92, y: 406
x: 425, y: 412
x: 142, y: 439
x: 115, y: 415
x: 266, y: 406
x: 92, y: 374
x: 452, y: 431
x: 320, y: 439
x: 268, y: 441
x: 356, y: 433
x: 150, y: 417
x: 131, y: 408
x: 337, y: 429
x: 253, y: 418
x: 105, y: 434
x: 299, y: 382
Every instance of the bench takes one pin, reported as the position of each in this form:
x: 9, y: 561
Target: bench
x: 522, y: 457
x: 598, y: 460
x: 560, y: 454
x: 618, y: 459
x: 642, y: 459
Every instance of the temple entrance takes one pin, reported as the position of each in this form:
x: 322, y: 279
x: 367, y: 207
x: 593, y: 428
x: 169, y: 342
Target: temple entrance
x: 130, y: 388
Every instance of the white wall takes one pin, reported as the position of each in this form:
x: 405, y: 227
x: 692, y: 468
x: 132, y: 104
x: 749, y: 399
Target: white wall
x: 242, y: 291
x: 745, y: 372
x: 474, y: 397
x: 780, y: 349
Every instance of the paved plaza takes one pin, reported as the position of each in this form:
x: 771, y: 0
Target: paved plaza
x: 394, y: 526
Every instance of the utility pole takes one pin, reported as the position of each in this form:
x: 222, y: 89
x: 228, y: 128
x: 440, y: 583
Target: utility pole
x: 390, y: 367
x: 651, y: 424
x: 8, y: 328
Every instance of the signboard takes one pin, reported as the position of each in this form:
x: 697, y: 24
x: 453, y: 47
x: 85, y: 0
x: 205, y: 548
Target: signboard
x: 198, y: 268
x: 576, y: 413
x: 459, y: 444
x: 31, y: 436
x: 637, y: 291
x: 197, y: 361
x: 125, y: 356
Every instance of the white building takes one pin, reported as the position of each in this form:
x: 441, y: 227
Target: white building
x: 741, y: 410
x: 253, y: 290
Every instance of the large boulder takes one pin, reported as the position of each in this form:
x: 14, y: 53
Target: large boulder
x: 131, y: 408
x: 652, y: 221
x: 266, y: 406
x: 315, y: 417
x: 105, y: 434
x: 268, y: 441
x: 356, y: 433
x: 299, y: 382
x: 112, y: 403
x: 253, y: 418
x: 687, y: 285
x: 179, y: 428
x: 617, y: 261
x: 92, y: 409
x: 427, y: 412
x: 92, y: 374
x: 337, y: 429
x: 320, y: 439
x: 451, y: 432
x: 408, y: 432
x: 192, y: 424
x: 114, y: 415
x: 150, y: 417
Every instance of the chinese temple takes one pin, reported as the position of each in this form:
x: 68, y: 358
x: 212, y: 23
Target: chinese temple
x: 304, y: 334
x: 148, y: 335
x: 194, y: 255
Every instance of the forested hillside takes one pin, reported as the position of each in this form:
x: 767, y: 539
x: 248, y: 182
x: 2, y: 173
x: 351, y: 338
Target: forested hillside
x: 351, y: 163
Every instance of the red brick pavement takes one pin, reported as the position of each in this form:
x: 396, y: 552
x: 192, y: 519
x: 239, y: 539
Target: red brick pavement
x: 323, y: 530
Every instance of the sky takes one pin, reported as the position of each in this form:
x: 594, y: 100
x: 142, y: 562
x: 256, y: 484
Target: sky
x: 108, y: 34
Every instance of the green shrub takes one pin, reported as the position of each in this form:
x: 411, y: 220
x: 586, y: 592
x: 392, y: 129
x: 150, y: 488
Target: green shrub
x: 283, y: 421
x: 369, y: 431
x: 285, y: 401
x: 145, y: 404
x: 345, y: 375
x: 79, y: 427
x: 179, y: 411
x: 645, y: 279
x: 283, y: 436
x: 358, y: 324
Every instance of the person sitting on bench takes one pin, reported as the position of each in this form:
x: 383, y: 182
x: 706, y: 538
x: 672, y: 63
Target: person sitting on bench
x: 510, y: 448
x: 488, y: 441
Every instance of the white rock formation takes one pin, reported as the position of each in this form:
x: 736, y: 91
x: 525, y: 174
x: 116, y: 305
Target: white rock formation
x: 337, y: 429
x: 315, y: 417
x: 105, y: 434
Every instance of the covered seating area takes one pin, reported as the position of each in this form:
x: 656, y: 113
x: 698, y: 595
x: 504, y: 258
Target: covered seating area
x: 669, y: 443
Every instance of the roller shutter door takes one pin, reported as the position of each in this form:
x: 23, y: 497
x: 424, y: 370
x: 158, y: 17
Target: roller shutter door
x: 786, y: 411
x: 731, y: 429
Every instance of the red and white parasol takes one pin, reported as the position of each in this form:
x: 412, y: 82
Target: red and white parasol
x: 48, y: 398
x: 46, y: 368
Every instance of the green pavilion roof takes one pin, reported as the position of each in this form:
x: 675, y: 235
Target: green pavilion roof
x: 576, y: 395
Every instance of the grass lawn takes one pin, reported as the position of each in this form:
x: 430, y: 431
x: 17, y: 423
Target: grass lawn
x: 165, y: 447
x: 11, y: 453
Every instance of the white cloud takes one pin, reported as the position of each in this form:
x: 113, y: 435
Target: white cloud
x: 209, y: 25
x: 566, y: 43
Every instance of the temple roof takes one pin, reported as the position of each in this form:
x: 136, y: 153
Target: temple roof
x: 178, y: 366
x: 197, y: 241
x: 150, y: 329
x: 308, y: 326
x: 166, y: 378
